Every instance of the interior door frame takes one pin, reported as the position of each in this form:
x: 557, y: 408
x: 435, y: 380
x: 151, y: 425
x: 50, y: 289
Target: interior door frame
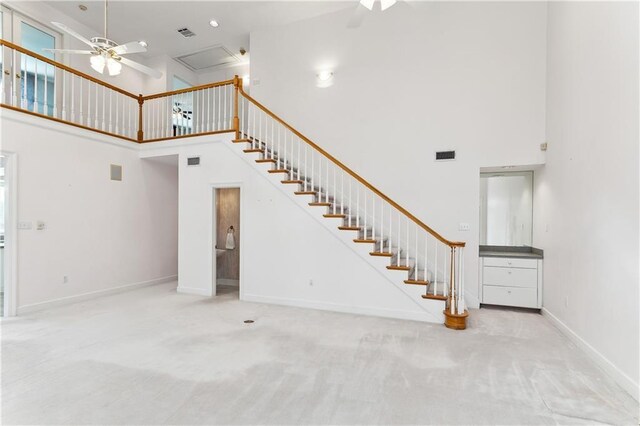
x: 214, y: 231
x: 11, y: 234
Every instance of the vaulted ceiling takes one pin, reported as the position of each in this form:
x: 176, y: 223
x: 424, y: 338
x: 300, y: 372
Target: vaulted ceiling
x: 157, y: 22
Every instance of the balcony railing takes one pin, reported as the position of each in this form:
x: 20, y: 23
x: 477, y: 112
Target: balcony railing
x: 37, y: 85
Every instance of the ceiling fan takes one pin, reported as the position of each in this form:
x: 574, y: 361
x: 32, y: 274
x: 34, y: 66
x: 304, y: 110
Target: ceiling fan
x: 365, y: 6
x: 107, y: 54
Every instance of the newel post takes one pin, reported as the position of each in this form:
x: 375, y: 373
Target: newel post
x: 453, y: 318
x: 237, y: 84
x: 140, y: 133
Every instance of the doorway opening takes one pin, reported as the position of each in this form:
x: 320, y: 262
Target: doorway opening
x: 8, y: 227
x: 227, y: 241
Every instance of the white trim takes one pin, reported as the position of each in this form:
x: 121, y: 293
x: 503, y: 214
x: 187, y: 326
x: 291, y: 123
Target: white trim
x: 624, y: 381
x: 194, y: 290
x: 91, y: 295
x: 11, y: 234
x: 347, y: 309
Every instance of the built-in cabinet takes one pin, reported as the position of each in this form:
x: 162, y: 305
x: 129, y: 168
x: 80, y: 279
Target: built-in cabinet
x: 511, y: 281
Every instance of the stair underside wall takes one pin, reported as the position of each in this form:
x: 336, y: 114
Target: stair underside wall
x: 291, y: 254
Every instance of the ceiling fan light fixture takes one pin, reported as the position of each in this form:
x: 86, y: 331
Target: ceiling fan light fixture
x: 114, y: 67
x: 386, y: 4
x: 98, y: 63
x: 368, y: 3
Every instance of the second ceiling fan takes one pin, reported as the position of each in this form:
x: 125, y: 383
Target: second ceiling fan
x: 107, y: 55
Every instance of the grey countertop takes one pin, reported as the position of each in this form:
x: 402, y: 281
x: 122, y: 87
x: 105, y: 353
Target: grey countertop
x: 524, y: 252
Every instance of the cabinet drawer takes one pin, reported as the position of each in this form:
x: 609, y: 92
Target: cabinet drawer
x: 510, y: 277
x: 510, y: 296
x: 507, y: 262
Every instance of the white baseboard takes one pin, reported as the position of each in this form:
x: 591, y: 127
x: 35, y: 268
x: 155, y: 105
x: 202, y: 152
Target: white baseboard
x: 194, y: 290
x: 423, y: 316
x: 93, y: 294
x: 612, y: 370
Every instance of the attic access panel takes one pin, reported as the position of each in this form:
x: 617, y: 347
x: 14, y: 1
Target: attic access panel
x: 210, y: 57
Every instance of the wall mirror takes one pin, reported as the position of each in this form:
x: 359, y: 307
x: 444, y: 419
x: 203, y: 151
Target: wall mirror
x: 506, y: 208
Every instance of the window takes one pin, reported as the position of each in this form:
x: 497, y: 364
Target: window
x: 35, y: 79
x: 37, y: 76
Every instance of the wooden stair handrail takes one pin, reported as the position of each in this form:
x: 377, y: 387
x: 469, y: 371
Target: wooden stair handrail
x: 65, y: 67
x: 189, y: 89
x: 352, y: 173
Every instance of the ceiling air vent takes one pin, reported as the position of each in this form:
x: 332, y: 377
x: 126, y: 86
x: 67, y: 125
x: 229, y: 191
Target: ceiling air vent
x: 186, y: 32
x: 445, y: 155
x: 193, y: 161
x: 209, y: 58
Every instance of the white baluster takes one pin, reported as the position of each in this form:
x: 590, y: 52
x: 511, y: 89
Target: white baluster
x: 14, y: 85
x: 35, y: 86
x: 46, y: 81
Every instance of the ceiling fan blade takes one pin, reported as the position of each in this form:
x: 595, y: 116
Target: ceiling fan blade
x: 73, y: 51
x: 131, y: 47
x: 69, y: 31
x: 357, y: 17
x: 142, y: 68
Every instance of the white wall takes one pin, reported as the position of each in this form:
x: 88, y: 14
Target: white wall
x: 587, y: 195
x: 468, y: 76
x: 99, y: 233
x: 285, y: 243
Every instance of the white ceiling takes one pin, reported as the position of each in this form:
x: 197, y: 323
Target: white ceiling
x: 157, y: 22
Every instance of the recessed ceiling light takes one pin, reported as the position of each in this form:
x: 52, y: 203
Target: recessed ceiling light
x: 82, y: 7
x: 214, y: 23
x: 143, y: 43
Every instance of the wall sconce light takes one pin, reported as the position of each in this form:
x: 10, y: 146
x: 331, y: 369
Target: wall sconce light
x: 324, y: 79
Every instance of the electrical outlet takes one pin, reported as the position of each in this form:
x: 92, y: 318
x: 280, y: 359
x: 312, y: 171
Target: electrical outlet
x: 40, y: 225
x: 65, y: 279
x: 464, y: 226
x: 311, y: 283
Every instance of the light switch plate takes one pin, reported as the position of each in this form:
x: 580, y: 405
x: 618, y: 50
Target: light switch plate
x: 40, y: 225
x: 24, y: 225
x: 464, y: 226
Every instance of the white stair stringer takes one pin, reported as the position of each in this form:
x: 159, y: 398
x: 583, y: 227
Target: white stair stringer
x: 431, y: 309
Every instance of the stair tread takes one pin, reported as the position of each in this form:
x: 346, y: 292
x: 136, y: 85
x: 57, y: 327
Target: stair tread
x: 253, y: 150
x: 265, y: 160
x: 338, y: 215
x: 434, y: 296
x: 399, y: 268
x: 381, y: 253
x: 349, y: 228
x: 361, y: 240
x: 292, y: 181
x: 305, y: 192
x: 316, y: 204
x: 278, y: 171
x: 416, y: 282
x: 241, y: 140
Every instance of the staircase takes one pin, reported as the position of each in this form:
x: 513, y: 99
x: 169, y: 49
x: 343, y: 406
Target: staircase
x: 426, y: 258
x: 412, y: 248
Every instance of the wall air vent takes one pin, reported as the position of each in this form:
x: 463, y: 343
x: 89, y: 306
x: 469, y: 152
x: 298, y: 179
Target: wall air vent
x: 186, y: 32
x: 445, y: 155
x: 116, y: 172
x: 193, y: 161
